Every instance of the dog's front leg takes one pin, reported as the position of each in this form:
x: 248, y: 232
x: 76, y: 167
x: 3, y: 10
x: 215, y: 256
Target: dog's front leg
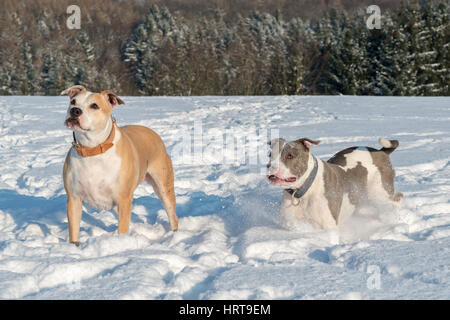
x: 124, y: 212
x: 74, y: 208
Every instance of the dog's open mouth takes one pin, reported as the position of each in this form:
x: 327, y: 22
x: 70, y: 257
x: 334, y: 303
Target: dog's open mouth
x: 274, y: 179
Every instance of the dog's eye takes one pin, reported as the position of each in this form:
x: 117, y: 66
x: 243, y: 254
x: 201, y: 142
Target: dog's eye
x: 290, y: 156
x: 94, y: 106
x: 73, y: 102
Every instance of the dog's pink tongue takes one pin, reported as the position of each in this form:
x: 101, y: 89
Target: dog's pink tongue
x: 275, y: 179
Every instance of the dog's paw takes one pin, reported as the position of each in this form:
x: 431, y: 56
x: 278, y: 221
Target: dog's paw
x: 76, y: 243
x: 397, y: 197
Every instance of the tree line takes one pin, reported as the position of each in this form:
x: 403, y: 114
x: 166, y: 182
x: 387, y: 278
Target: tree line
x: 163, y: 51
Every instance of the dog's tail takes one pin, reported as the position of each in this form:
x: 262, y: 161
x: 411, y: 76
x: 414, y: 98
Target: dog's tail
x: 388, y: 145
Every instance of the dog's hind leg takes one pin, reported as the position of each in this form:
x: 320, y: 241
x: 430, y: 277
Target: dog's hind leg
x: 162, y: 181
x: 386, y: 170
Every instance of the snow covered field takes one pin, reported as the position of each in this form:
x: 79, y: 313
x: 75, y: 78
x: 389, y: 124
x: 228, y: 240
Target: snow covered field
x: 230, y: 244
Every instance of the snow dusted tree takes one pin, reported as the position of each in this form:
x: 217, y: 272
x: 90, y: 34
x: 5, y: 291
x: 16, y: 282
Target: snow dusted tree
x: 425, y: 55
x: 81, y: 66
x: 29, y: 81
x: 351, y: 65
x: 141, y: 50
x: 243, y: 53
x: 6, y: 67
x: 42, y: 26
x: 329, y: 67
x: 6, y: 75
x: 47, y: 76
x: 223, y: 52
x: 300, y: 43
x: 268, y: 34
x: 396, y: 61
x: 87, y: 47
x: 135, y: 54
x: 432, y: 74
x: 51, y: 78
x: 441, y: 35
x: 87, y: 71
x: 216, y: 40
x: 377, y: 72
x: 22, y: 80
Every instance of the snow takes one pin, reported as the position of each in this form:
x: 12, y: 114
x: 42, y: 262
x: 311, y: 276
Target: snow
x: 230, y: 243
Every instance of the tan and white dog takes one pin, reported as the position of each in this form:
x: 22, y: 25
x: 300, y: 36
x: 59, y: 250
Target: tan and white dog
x: 326, y: 193
x: 106, y: 163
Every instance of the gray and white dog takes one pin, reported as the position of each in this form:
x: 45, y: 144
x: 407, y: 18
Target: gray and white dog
x: 326, y: 193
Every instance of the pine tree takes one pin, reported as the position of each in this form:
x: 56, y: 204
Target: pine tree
x: 299, y: 43
x: 141, y: 50
x: 329, y: 67
x: 267, y: 33
x: 51, y: 76
x: 228, y: 54
x: 425, y: 54
x: 42, y: 26
x: 22, y: 78
x: 29, y: 82
x: 87, y: 72
x: 396, y: 55
x: 432, y: 51
x: 441, y: 36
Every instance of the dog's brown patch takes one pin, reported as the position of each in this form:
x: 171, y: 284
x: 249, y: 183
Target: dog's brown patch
x: 338, y: 182
x: 356, y: 183
x: 334, y: 191
x: 339, y: 158
x: 381, y: 160
x: 295, y: 156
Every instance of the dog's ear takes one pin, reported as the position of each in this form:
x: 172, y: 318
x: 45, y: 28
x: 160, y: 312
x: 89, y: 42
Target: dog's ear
x: 307, y: 142
x: 73, y: 91
x: 112, y: 98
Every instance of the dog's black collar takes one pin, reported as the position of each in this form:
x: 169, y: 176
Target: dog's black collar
x: 298, y: 193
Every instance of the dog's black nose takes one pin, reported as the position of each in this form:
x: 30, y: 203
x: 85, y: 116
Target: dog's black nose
x: 75, y: 112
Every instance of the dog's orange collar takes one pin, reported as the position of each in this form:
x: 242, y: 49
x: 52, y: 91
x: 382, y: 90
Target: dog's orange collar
x: 99, y: 149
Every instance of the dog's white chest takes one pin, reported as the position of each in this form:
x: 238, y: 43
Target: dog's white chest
x: 312, y: 207
x: 94, y: 178
x: 314, y: 210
